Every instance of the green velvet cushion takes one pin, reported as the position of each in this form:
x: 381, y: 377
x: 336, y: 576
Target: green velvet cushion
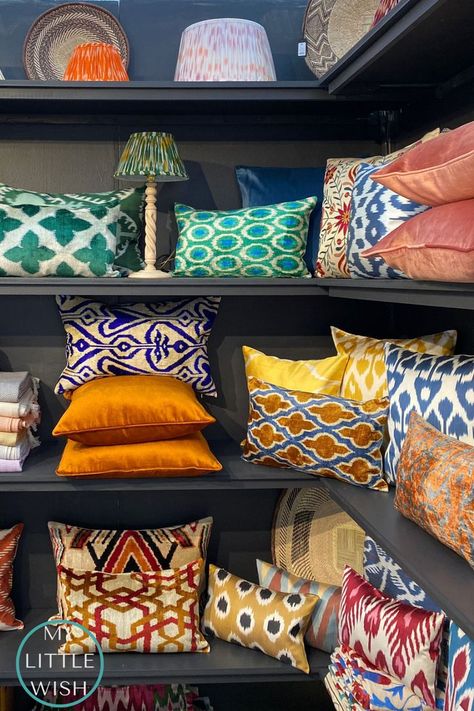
x: 265, y: 241
x: 130, y: 221
x: 45, y: 240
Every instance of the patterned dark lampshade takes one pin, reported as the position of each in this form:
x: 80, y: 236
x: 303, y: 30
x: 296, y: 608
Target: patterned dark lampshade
x: 151, y: 154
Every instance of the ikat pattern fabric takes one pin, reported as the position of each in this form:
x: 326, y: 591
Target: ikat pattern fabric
x: 365, y: 376
x: 383, y: 9
x: 460, y: 685
x: 259, y: 618
x: 399, y: 639
x: 149, y: 697
x: 134, y: 612
x: 9, y: 538
x: 435, y: 485
x: 130, y: 217
x: 364, y: 685
x: 42, y: 241
x: 128, y: 551
x: 375, y: 211
x: 439, y: 388
x: 317, y: 434
x: 167, y: 338
x: 322, y: 630
x: 268, y: 241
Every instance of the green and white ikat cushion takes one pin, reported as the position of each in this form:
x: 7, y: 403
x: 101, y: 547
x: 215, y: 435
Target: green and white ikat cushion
x: 44, y: 240
x: 267, y: 241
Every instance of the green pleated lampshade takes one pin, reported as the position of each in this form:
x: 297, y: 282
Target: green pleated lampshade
x: 151, y: 155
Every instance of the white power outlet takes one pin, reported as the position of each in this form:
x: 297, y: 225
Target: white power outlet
x: 301, y: 49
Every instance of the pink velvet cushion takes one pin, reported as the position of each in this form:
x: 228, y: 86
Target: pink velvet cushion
x: 437, y: 245
x: 436, y: 172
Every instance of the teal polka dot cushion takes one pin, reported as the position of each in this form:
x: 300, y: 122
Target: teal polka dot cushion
x: 267, y: 241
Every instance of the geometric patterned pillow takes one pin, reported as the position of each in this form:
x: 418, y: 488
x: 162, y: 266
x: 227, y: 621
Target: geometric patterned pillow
x: 8, y: 545
x: 399, y: 639
x: 149, y: 697
x: 317, y: 434
x: 460, y: 686
x: 39, y: 241
x: 439, y: 388
x: 134, y: 612
x: 365, y: 377
x: 322, y: 630
x: 375, y: 212
x: 167, y: 338
x: 259, y: 618
x: 142, y: 551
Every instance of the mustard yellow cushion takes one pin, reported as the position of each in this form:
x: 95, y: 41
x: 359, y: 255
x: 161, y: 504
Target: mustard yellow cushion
x: 131, y: 408
x: 365, y: 375
x: 187, y: 456
x: 244, y: 613
x: 311, y: 376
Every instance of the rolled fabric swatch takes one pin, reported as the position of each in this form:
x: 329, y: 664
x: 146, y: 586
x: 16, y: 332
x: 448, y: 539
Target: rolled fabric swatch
x: 11, y: 439
x: 17, y: 424
x: 11, y: 465
x: 13, y: 386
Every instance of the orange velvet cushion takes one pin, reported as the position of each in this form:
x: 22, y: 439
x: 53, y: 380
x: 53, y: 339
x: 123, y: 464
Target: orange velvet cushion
x: 436, y: 172
x: 131, y: 408
x: 187, y: 456
x: 437, y: 245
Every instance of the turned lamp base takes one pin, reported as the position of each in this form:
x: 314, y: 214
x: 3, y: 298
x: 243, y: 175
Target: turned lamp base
x: 150, y: 274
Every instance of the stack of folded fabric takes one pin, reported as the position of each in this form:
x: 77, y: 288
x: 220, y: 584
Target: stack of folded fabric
x: 19, y: 415
x: 134, y: 426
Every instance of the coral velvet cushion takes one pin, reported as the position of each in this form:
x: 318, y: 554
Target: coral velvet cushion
x: 134, y: 612
x: 322, y: 630
x: 244, y: 613
x: 312, y: 376
x: 131, y: 408
x: 435, y: 485
x: 186, y: 456
x: 399, y: 639
x: 9, y: 538
x: 318, y: 434
x: 437, y: 172
x: 437, y: 245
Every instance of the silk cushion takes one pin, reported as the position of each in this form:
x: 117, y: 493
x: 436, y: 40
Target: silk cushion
x: 402, y: 640
x: 435, y: 485
x: 313, y: 376
x: 439, y: 388
x: 460, y: 686
x: 241, y: 612
x: 365, y: 376
x: 437, y: 172
x: 437, y: 245
x: 131, y: 409
x: 318, y: 434
x: 267, y: 186
x: 133, y: 612
x: 9, y: 538
x: 166, y: 338
x: 186, y: 456
x: 267, y: 241
x: 322, y: 630
x: 375, y: 212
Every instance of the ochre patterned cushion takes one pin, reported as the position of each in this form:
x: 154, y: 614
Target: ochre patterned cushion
x: 365, y: 375
x: 312, y: 376
x: 259, y: 618
x: 435, y: 485
x: 133, y: 612
x: 9, y: 538
x: 322, y: 630
x: 317, y: 434
x: 167, y: 338
x: 114, y: 551
x: 402, y: 640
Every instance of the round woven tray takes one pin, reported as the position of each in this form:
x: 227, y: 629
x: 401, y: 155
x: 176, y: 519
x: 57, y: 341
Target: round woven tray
x: 54, y: 35
x: 313, y: 538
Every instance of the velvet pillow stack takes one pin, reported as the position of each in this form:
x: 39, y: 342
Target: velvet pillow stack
x: 19, y: 415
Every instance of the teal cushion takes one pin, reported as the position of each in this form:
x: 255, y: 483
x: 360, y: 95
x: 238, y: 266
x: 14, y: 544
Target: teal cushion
x: 265, y: 241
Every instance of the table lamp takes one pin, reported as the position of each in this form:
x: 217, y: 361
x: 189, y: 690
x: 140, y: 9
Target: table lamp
x: 153, y: 156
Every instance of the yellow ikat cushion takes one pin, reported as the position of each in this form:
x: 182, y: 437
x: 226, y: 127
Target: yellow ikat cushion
x: 258, y: 618
x: 365, y: 376
x: 312, y: 376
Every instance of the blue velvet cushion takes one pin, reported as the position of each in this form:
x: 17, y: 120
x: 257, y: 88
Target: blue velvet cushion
x: 267, y: 186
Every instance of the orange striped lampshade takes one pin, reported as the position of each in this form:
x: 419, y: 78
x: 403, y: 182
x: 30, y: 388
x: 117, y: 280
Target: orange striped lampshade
x: 95, y: 61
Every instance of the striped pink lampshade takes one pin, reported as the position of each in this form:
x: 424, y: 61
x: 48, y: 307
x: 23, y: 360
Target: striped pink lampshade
x: 225, y: 49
